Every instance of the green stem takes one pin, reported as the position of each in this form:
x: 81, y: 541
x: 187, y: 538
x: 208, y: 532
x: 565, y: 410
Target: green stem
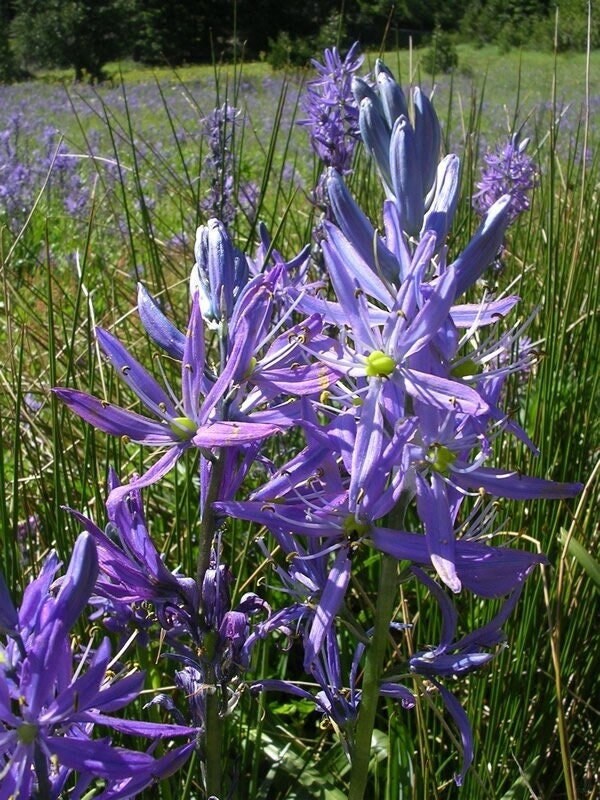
x: 213, y: 739
x: 361, y: 754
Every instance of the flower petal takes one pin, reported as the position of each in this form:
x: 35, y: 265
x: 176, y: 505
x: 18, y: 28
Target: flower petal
x: 114, y: 420
x: 135, y: 375
x: 330, y: 603
x: 434, y: 511
x: 157, y: 326
x: 443, y: 393
x: 231, y: 434
x: 158, y: 470
x: 514, y: 485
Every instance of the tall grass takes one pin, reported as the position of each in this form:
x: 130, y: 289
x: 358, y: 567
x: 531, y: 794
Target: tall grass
x: 535, y: 709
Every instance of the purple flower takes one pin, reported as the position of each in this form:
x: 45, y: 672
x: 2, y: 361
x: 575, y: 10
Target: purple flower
x: 29, y: 159
x: 210, y: 637
x: 332, y: 113
x: 405, y: 146
x: 224, y: 196
x: 196, y: 420
x: 337, y: 698
x: 509, y: 171
x: 131, y: 570
x: 220, y: 272
x: 456, y: 657
x: 422, y: 191
x: 246, y: 400
x: 220, y: 648
x: 332, y: 120
x: 219, y: 128
x: 485, y: 570
x: 50, y: 701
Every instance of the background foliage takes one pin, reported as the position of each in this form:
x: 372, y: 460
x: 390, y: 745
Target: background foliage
x: 85, y: 35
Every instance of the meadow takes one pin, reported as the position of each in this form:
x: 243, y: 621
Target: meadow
x: 104, y: 187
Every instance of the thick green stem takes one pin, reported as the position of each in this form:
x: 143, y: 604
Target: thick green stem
x: 213, y: 739
x: 374, y: 661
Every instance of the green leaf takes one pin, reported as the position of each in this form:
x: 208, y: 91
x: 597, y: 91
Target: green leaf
x: 300, y: 708
x: 578, y: 551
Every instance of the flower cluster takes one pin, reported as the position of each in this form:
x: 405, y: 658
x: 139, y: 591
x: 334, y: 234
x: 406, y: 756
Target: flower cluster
x: 221, y: 197
x: 508, y: 170
x: 407, y: 431
x: 394, y: 385
x: 53, y: 697
x: 235, y: 408
x: 24, y: 169
x: 331, y: 111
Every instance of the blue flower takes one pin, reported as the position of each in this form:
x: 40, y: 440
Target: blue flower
x: 197, y: 420
x: 332, y: 113
x: 509, y: 171
x: 131, y: 570
x: 50, y: 704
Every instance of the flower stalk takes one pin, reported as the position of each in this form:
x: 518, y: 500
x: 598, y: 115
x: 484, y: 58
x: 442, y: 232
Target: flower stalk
x: 213, y: 743
x: 374, y: 662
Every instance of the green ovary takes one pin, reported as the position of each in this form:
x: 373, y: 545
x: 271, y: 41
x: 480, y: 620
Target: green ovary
x: 251, y: 367
x: 355, y: 529
x: 183, y: 427
x: 27, y: 732
x: 379, y: 364
x: 440, y: 458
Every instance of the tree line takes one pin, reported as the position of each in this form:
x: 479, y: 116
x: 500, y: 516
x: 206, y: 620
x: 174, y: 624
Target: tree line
x: 86, y: 34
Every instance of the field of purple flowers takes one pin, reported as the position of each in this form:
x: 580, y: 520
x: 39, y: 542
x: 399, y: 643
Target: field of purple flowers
x: 299, y: 453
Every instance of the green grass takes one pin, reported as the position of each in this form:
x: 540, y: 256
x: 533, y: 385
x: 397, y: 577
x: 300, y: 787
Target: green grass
x: 535, y: 709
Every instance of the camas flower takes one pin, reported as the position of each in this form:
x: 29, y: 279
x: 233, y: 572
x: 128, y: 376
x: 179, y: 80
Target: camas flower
x: 131, y: 570
x: 50, y: 704
x: 218, y: 652
x: 220, y: 272
x: 236, y: 408
x: 332, y: 113
x: 337, y: 698
x: 219, y: 129
x: 405, y: 145
x: 508, y: 170
x: 179, y: 427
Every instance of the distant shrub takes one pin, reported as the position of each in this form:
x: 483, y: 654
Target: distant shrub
x: 333, y: 31
x: 7, y: 67
x: 530, y: 24
x: 285, y: 51
x: 441, y: 56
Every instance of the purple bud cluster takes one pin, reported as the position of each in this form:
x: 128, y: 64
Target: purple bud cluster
x: 330, y: 108
x: 222, y: 196
x: 507, y: 170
